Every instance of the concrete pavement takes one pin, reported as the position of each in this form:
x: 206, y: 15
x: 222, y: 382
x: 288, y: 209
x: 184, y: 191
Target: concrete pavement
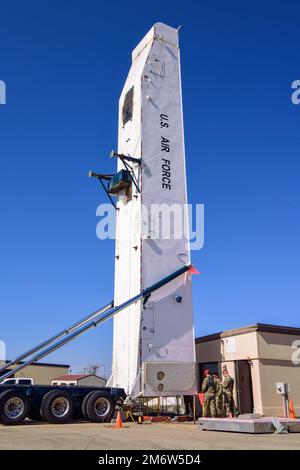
x: 178, y: 436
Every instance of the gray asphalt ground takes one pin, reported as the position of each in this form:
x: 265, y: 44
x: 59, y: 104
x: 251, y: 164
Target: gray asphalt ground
x: 154, y: 436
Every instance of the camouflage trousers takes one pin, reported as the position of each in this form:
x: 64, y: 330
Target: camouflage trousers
x: 220, y: 405
x: 229, y: 403
x: 209, y: 406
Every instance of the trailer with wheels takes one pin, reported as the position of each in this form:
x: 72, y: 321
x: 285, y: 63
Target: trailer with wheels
x: 58, y: 405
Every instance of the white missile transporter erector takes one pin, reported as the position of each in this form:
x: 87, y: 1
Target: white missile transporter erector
x: 153, y: 344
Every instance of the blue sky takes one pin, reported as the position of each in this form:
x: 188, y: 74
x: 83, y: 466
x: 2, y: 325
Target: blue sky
x: 64, y: 63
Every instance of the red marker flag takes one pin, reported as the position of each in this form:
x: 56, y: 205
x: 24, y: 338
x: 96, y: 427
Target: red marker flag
x: 193, y: 270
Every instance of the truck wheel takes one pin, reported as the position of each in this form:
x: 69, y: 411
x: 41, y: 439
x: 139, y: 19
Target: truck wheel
x: 57, y: 407
x: 14, y: 407
x: 100, y: 407
x: 84, y: 405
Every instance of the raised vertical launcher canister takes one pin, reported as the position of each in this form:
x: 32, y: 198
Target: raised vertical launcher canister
x: 153, y: 344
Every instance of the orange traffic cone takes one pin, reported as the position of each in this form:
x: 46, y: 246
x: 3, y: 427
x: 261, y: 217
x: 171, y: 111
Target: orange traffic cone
x: 292, y: 411
x: 119, y: 423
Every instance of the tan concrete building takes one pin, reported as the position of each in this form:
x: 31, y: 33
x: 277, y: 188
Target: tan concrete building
x: 42, y: 372
x: 257, y: 357
x: 90, y: 380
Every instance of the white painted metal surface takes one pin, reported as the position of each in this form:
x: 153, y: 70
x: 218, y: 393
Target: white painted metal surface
x: 159, y: 337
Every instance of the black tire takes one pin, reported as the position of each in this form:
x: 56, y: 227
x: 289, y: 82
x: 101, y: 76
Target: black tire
x: 42, y: 407
x: 57, y: 407
x: 41, y: 412
x: 84, y: 405
x: 14, y: 406
x: 100, y: 407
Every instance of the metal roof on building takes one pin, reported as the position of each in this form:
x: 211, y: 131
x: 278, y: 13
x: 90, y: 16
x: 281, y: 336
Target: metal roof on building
x: 260, y: 327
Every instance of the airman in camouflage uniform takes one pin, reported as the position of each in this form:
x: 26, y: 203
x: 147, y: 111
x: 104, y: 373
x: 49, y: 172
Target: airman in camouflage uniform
x: 219, y: 395
x: 228, y: 384
x: 209, y: 390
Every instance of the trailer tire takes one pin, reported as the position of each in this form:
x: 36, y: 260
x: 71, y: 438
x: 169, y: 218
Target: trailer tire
x: 84, y: 405
x: 14, y: 406
x: 57, y: 407
x: 100, y: 407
